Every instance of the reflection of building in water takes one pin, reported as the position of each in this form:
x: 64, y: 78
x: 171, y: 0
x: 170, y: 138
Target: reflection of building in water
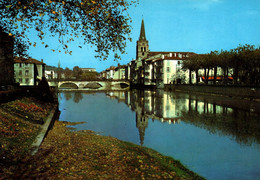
x: 166, y: 107
x: 156, y: 105
x: 119, y: 95
x: 202, y: 106
x: 141, y: 124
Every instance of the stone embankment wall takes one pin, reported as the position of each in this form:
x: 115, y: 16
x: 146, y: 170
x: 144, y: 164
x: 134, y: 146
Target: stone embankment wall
x: 50, y: 119
x: 231, y: 91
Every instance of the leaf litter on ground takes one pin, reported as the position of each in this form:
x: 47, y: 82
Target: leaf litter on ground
x: 70, y: 154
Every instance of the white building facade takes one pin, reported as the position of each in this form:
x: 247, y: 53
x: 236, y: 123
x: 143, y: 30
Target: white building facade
x: 27, y: 72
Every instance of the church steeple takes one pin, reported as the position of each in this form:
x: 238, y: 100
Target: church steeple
x: 142, y: 47
x: 141, y: 124
x: 142, y: 32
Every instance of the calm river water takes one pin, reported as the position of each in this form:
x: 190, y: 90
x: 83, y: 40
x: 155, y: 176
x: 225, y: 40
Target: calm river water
x: 214, y: 141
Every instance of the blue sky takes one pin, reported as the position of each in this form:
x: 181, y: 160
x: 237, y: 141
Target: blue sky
x: 198, y: 26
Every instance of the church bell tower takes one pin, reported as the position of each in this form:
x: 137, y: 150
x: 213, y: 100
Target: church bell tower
x: 142, y: 47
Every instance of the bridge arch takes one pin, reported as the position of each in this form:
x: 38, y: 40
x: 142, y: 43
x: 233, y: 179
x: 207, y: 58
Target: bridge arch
x: 122, y: 84
x: 93, y: 85
x: 69, y: 85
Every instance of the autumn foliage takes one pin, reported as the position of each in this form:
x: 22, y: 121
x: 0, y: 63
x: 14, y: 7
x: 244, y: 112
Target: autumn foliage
x: 34, y: 111
x: 101, y: 23
x: 69, y: 154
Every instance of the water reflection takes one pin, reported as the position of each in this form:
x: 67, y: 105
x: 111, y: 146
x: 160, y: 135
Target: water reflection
x: 203, y: 132
x: 200, y: 111
x: 67, y: 95
x: 76, y: 98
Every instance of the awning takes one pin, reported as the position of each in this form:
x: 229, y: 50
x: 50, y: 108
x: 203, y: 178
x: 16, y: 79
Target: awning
x: 218, y: 78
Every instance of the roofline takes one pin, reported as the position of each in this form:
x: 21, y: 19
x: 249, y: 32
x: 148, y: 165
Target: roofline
x: 28, y: 61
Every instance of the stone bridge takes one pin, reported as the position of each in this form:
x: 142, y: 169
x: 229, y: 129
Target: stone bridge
x: 95, y: 84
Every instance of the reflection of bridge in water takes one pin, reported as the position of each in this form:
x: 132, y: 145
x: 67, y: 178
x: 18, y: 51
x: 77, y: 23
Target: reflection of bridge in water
x: 91, y: 84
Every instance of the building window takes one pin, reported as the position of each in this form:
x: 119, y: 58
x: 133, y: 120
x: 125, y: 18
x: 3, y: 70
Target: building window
x: 20, y: 72
x: 26, y: 72
x: 26, y: 80
x: 144, y: 49
x: 168, y: 69
x: 20, y: 80
x: 20, y: 64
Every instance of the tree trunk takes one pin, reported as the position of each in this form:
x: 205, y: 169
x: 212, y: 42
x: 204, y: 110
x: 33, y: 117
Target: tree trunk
x: 197, y: 76
x: 206, y: 70
x: 190, y: 80
x: 205, y: 76
x: 215, y: 75
x: 236, y: 76
x: 225, y: 75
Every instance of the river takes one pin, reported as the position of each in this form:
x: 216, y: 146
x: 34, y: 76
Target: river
x: 215, y: 141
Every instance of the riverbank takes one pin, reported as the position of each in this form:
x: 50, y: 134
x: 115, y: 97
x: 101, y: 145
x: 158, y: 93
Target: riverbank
x: 83, y: 154
x: 21, y: 121
x: 245, y: 92
x: 67, y: 154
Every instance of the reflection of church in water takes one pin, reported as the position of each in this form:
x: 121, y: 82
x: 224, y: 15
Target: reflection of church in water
x: 163, y: 106
x: 141, y: 124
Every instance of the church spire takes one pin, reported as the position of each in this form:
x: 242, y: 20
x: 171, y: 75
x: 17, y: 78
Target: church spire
x: 142, y: 47
x: 142, y: 32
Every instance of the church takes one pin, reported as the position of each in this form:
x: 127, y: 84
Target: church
x: 155, y: 68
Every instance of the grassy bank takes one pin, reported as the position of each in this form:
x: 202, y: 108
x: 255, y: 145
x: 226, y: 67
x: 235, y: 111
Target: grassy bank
x: 20, y: 122
x: 67, y: 154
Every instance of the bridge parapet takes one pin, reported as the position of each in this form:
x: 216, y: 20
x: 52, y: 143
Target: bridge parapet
x: 94, y: 84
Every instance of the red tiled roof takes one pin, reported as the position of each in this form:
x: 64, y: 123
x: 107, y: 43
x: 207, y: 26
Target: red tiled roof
x: 167, y: 58
x: 120, y: 67
x: 172, y: 58
x: 29, y: 61
x: 153, y: 53
x: 111, y: 68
